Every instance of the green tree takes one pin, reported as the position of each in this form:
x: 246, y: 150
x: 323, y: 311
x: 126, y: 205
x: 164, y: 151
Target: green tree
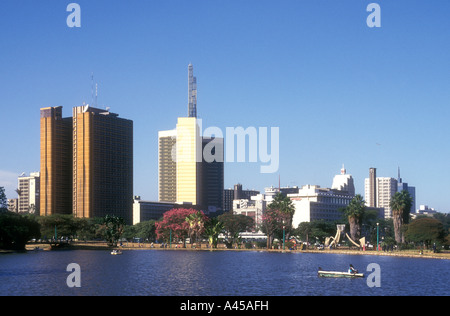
x: 285, y: 205
x: 3, y: 200
x: 65, y: 226
x: 16, y: 230
x: 213, y: 228
x: 234, y: 224
x: 86, y: 228
x: 355, y: 213
x: 146, y: 230
x: 274, y: 225
x: 425, y: 230
x: 303, y: 231
x: 112, y: 229
x: 401, y: 204
x: 321, y: 229
x: 129, y: 232
x: 196, y: 223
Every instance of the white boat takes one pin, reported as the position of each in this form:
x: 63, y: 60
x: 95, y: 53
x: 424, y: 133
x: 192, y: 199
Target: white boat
x: 116, y: 252
x: 337, y: 274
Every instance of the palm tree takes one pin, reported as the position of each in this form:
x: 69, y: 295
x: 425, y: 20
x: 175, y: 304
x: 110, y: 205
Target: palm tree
x: 354, y: 212
x: 196, y: 225
x: 284, y: 204
x: 400, y: 204
x: 213, y: 229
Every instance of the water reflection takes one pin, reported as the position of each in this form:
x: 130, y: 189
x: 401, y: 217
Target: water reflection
x: 152, y: 272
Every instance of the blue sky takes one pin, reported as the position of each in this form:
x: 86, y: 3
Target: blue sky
x: 339, y: 91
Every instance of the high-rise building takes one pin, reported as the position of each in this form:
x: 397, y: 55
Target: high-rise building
x: 385, y: 189
x: 213, y: 173
x: 86, y: 163
x: 29, y: 193
x: 167, y: 167
x: 188, y: 160
x: 184, y: 174
x: 371, y: 188
x: 56, y: 162
x: 102, y: 164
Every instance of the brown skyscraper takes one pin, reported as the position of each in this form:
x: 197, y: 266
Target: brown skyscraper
x: 102, y: 164
x: 88, y: 163
x: 56, y: 162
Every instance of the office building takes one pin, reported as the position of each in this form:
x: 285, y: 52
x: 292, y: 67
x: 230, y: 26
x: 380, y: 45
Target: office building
x: 86, y: 163
x: 188, y: 161
x: 271, y: 192
x: 167, y: 167
x: 370, y: 188
x: 56, y: 162
x: 425, y: 210
x: 410, y: 189
x: 185, y: 174
x: 385, y: 189
x: 237, y: 193
x: 380, y: 190
x: 29, y: 193
x: 212, y: 173
x: 315, y: 203
x: 152, y: 210
x: 253, y: 207
x: 102, y: 164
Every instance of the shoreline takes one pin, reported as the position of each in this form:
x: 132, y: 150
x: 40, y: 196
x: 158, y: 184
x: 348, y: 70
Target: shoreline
x: 428, y: 254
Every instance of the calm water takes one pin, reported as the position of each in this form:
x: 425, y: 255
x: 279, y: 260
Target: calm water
x: 214, y: 274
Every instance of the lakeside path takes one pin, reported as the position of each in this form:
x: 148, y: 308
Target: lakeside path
x: 136, y: 246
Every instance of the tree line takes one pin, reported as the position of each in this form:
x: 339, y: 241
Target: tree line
x: 180, y: 225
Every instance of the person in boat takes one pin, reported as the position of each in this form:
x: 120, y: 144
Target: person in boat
x: 351, y: 269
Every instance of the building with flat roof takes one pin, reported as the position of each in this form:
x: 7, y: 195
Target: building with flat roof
x: 102, y: 164
x: 167, y: 167
x: 236, y: 193
x: 152, y: 210
x: 56, y: 162
x: 86, y: 163
x: 386, y: 187
x: 253, y: 207
x: 29, y: 193
x: 315, y: 203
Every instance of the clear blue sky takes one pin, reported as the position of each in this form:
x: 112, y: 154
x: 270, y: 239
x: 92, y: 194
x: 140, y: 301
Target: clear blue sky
x: 339, y: 91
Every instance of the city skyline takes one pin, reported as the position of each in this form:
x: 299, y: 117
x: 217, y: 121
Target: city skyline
x: 340, y: 92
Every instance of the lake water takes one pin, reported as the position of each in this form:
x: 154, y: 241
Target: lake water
x: 219, y: 273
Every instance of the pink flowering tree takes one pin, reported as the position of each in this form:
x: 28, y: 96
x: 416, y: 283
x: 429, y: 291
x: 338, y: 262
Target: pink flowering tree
x: 174, y: 222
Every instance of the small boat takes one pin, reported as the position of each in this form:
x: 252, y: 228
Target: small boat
x: 116, y: 252
x: 337, y: 274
